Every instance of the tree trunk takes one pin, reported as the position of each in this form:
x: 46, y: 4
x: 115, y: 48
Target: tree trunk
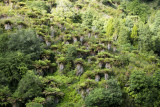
x: 74, y: 39
x: 61, y: 67
x: 7, y: 26
x: 52, y: 32
x: 40, y: 72
x: 81, y: 39
x: 100, y: 64
x: 40, y: 38
x: 114, y: 49
x: 88, y: 90
x: 15, y: 104
x: 79, y: 68
x: 49, y: 98
x: 89, y: 35
x: 97, y: 78
x: 83, y: 94
x: 51, y: 69
x: 48, y: 43
x: 89, y: 60
x: 96, y: 36
x: 66, y: 42
x: 108, y: 66
x: 106, y: 76
x: 109, y: 46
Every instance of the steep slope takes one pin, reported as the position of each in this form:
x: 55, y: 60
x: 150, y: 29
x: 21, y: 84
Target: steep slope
x: 79, y: 53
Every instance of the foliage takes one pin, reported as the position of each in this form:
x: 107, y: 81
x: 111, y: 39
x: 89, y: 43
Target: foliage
x: 14, y: 66
x: 142, y: 88
x: 29, y: 86
x: 105, y: 97
x: 80, y: 32
x: 26, y: 42
x: 33, y: 104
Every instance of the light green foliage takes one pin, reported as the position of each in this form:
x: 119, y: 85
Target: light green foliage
x: 33, y: 104
x: 156, y: 23
x: 38, y: 5
x: 124, y: 34
x: 39, y: 100
x: 134, y: 34
x: 145, y: 42
x: 80, y: 33
x: 109, y: 28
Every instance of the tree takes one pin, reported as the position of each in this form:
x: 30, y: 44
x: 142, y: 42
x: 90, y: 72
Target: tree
x: 29, y: 86
x: 137, y: 8
x: 101, y: 97
x: 145, y: 35
x: 109, y: 28
x: 33, y: 104
x: 13, y: 66
x: 134, y: 35
x: 26, y: 42
x: 3, y: 43
x: 141, y: 89
x: 124, y: 33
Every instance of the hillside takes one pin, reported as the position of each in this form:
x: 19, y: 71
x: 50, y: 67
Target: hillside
x: 79, y: 53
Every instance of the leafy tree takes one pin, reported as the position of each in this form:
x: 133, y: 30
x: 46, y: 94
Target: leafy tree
x: 29, y: 86
x: 3, y: 43
x: 101, y: 97
x: 134, y: 35
x: 88, y: 17
x: 156, y: 23
x: 137, y: 8
x: 124, y: 35
x: 14, y: 65
x: 109, y: 28
x: 4, y: 94
x: 71, y: 52
x: 26, y: 42
x: 33, y: 104
x: 145, y: 35
x: 142, y: 90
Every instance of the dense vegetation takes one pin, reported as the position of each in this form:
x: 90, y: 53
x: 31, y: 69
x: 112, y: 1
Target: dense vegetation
x: 79, y: 53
